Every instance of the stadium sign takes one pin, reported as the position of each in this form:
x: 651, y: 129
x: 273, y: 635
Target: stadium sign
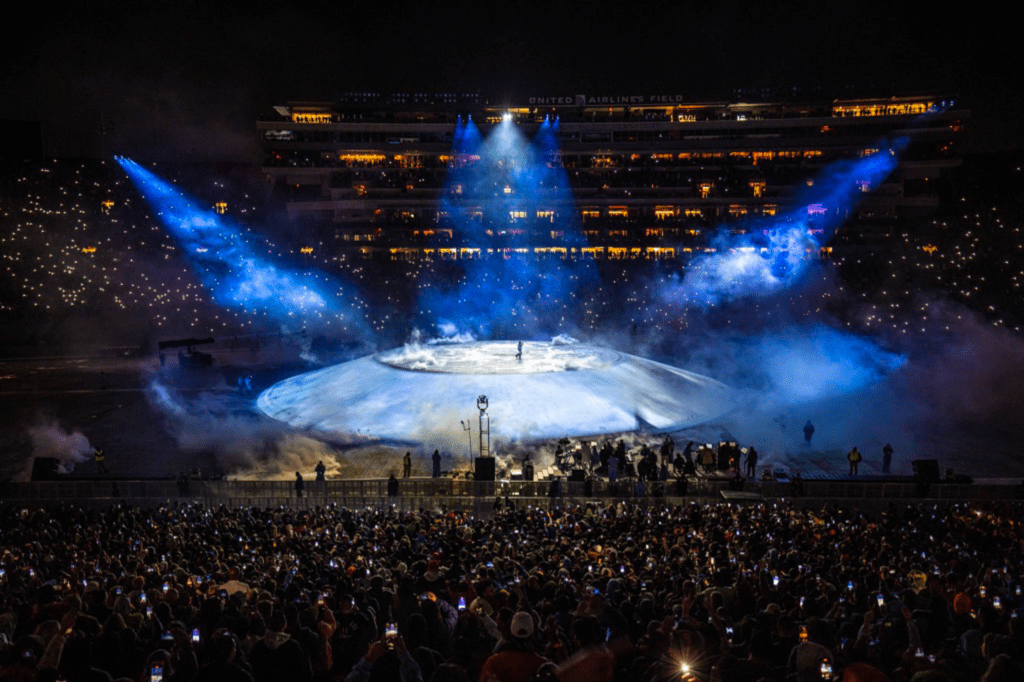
x: 598, y: 100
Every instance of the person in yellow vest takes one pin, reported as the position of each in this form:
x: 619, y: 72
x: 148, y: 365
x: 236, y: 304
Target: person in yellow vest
x: 98, y: 457
x: 855, y: 458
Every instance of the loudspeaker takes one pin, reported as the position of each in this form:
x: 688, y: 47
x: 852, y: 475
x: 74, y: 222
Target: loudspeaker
x: 578, y: 475
x: 926, y: 470
x: 45, y: 468
x: 484, y: 469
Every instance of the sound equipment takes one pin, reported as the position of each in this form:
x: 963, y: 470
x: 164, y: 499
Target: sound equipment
x: 926, y: 470
x: 45, y: 468
x: 484, y: 469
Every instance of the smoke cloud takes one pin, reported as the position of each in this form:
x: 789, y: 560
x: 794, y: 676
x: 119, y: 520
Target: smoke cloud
x: 49, y: 439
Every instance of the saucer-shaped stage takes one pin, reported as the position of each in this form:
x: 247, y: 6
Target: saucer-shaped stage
x: 421, y: 393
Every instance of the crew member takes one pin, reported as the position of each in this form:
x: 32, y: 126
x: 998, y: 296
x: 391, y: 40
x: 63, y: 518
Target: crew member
x: 99, y: 458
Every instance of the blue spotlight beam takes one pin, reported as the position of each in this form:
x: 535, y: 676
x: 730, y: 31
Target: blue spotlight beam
x: 772, y: 255
x: 227, y: 265
x: 493, y: 193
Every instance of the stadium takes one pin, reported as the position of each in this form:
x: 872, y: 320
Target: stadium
x: 573, y: 385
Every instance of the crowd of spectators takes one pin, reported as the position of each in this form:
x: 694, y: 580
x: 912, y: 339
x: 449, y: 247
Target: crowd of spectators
x: 693, y: 592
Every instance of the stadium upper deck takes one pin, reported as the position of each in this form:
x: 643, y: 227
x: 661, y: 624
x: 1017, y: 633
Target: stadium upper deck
x: 648, y: 173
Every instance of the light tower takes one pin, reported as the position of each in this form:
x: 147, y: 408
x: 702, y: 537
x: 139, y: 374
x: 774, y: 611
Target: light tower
x: 481, y: 404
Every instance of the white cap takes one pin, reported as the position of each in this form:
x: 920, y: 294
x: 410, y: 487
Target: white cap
x: 522, y: 625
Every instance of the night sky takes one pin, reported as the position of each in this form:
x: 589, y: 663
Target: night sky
x: 188, y: 79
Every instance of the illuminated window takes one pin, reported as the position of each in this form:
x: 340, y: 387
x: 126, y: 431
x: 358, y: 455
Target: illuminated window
x: 557, y: 234
x: 546, y: 215
x: 590, y: 213
x: 737, y: 210
x: 220, y: 207
x: 666, y: 212
x: 362, y: 158
x: 882, y: 108
x: 694, y: 213
x: 311, y: 118
x: 705, y: 190
x: 360, y: 190
x: 516, y: 215
x: 758, y: 188
x: 508, y: 189
x: 769, y: 209
x: 618, y: 212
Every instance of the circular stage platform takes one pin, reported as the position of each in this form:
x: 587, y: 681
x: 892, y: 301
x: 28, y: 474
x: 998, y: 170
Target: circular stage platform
x: 421, y: 393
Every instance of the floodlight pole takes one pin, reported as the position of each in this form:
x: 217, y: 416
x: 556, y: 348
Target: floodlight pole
x: 467, y: 426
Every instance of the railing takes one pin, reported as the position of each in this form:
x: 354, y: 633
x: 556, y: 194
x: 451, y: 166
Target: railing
x: 473, y: 495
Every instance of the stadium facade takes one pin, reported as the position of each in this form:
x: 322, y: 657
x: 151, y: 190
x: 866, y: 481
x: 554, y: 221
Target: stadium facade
x: 649, y: 174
